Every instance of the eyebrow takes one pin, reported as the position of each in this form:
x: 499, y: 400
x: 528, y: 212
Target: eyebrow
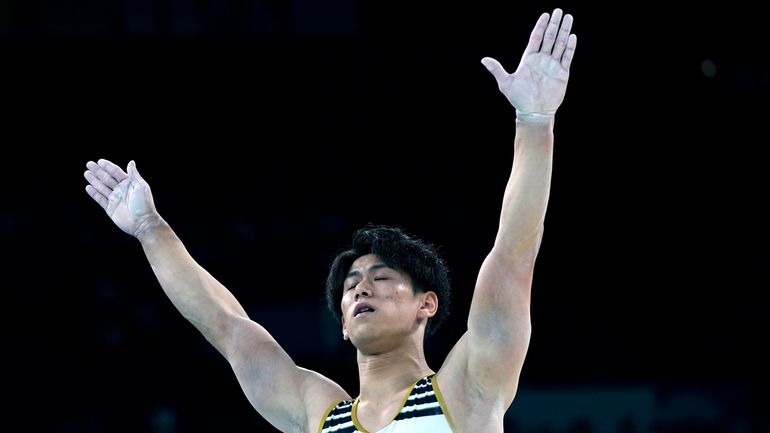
x: 371, y: 269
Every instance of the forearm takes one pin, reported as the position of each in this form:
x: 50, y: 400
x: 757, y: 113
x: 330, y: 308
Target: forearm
x: 257, y: 360
x: 526, y: 194
x: 201, y: 299
x: 499, y: 326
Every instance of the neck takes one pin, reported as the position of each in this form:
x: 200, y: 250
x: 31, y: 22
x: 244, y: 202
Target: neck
x: 390, y: 373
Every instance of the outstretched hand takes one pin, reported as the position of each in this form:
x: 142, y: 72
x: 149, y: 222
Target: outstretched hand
x: 540, y: 81
x: 126, y: 197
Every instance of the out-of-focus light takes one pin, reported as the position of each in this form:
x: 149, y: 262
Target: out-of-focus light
x: 708, y: 68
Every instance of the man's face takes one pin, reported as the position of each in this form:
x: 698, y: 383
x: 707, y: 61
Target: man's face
x: 379, y: 306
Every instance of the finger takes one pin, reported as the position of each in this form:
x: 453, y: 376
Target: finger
x: 566, y: 59
x: 102, y: 174
x: 495, y: 68
x: 551, y: 31
x: 97, y: 184
x: 113, y: 170
x: 536, y: 37
x: 563, y: 36
x: 97, y: 196
x: 133, y: 173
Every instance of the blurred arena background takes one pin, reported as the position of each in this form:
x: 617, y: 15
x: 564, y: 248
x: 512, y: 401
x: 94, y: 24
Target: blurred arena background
x: 270, y: 130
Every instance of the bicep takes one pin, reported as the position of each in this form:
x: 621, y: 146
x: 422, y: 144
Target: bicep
x: 283, y: 393
x: 491, y: 354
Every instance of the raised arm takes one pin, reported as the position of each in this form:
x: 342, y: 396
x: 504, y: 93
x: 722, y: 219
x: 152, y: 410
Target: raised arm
x: 490, y: 356
x: 289, y: 397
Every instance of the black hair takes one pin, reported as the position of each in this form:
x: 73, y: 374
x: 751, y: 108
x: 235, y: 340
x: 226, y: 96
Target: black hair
x: 398, y: 250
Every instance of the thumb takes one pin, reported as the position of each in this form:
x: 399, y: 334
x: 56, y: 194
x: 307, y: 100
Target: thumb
x: 494, y: 67
x: 133, y: 173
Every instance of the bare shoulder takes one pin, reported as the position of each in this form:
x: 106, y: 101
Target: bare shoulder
x: 288, y: 396
x: 319, y: 394
x: 452, y: 382
x: 471, y: 406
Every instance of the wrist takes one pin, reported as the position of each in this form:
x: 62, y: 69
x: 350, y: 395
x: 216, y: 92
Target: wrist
x: 535, y: 119
x: 148, y: 227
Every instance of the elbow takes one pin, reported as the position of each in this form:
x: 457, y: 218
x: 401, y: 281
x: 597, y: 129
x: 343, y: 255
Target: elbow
x: 521, y: 249
x: 226, y: 333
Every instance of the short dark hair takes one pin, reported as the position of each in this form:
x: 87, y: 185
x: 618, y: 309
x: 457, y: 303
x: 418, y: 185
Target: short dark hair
x: 398, y: 250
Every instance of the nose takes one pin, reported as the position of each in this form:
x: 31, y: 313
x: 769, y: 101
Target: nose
x: 363, y: 290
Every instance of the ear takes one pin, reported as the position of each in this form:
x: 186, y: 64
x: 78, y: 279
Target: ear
x: 428, y: 305
x: 344, y: 330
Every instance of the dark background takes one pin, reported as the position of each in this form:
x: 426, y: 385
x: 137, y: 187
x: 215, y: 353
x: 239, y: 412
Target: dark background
x: 270, y: 130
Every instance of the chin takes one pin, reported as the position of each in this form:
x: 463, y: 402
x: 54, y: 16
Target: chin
x: 363, y: 341
x: 372, y: 343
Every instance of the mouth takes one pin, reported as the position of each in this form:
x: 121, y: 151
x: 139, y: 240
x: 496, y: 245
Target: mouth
x: 363, y: 309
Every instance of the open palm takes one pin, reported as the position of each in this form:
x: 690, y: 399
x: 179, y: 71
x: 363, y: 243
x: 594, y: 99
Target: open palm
x: 126, y: 197
x: 540, y: 81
